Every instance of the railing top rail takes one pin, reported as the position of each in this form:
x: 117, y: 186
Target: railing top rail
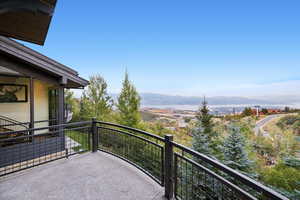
x: 47, y: 127
x: 243, y: 178
x: 46, y: 120
x: 12, y: 122
x: 16, y: 123
x: 132, y: 135
x: 7, y: 118
x: 132, y: 129
x: 42, y: 134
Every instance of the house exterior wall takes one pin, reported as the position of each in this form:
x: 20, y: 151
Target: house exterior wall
x: 21, y: 111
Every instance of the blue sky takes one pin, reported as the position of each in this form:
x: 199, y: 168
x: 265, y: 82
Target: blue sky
x: 232, y: 48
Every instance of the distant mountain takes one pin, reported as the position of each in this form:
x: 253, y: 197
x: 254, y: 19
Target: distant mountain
x: 162, y: 99
x: 287, y: 99
x: 159, y: 99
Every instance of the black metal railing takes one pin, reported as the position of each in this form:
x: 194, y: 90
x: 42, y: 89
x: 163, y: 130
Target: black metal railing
x: 140, y: 148
x: 194, y: 181
x: 185, y: 174
x: 8, y: 124
x: 55, y: 142
x: 18, y: 129
x: 197, y: 176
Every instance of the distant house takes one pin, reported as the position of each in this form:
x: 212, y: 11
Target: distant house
x: 269, y: 111
x: 274, y: 111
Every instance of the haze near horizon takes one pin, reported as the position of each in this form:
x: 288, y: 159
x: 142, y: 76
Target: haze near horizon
x: 193, y: 48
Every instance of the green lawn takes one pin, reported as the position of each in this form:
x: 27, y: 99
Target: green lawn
x: 81, y: 137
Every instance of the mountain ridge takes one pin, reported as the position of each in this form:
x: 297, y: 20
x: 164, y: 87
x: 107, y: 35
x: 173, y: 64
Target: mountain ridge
x: 164, y: 99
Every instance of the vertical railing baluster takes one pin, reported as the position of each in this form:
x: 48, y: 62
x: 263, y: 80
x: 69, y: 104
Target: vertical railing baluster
x: 175, y: 175
x: 168, y: 166
x: 95, y: 140
x: 162, y: 166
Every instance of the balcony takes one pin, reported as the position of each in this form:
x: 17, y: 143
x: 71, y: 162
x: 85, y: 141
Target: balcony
x: 88, y: 176
x: 126, y: 163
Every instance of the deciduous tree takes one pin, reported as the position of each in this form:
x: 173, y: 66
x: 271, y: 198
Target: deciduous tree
x: 95, y: 101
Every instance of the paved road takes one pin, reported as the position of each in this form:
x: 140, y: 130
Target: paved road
x: 261, y: 123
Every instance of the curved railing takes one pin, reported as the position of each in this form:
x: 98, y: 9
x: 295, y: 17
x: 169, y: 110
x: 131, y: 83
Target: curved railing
x: 190, y: 174
x: 185, y: 173
x: 142, y: 149
x: 199, y: 176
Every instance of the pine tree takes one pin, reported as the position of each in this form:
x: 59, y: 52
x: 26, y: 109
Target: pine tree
x: 203, y: 134
x: 95, y: 100
x: 129, y: 104
x: 235, y: 154
x: 200, y: 141
x: 205, y: 120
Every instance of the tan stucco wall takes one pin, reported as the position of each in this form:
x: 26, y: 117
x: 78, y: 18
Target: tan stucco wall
x: 21, y: 111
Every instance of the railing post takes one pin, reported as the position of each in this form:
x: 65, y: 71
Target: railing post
x: 168, y: 167
x: 95, y: 141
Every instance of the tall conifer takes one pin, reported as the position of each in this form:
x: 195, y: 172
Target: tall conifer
x: 203, y: 134
x: 129, y: 104
x: 235, y: 154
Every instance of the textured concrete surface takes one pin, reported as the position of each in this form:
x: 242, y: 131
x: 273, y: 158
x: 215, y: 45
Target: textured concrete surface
x: 91, y: 176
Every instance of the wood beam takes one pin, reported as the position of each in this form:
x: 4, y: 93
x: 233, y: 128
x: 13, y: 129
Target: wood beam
x: 23, y: 69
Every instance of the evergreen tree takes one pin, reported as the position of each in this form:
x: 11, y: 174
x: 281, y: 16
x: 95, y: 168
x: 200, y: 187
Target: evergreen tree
x: 204, y: 118
x: 235, y: 154
x: 95, y: 101
x: 200, y: 141
x: 203, y: 139
x: 129, y: 104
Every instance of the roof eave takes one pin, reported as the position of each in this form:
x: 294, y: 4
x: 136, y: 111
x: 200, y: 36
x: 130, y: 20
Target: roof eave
x: 42, y: 62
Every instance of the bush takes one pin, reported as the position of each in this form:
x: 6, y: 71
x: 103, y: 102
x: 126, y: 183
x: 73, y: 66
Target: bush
x: 290, y: 121
x: 282, y: 177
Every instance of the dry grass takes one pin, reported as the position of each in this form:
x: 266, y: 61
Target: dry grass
x: 271, y: 127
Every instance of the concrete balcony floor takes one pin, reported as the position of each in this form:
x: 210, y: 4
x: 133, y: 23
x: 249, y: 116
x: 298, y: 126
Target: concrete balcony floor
x: 90, y: 176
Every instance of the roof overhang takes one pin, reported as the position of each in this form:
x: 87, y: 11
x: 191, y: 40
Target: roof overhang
x: 28, y: 62
x: 26, y: 20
